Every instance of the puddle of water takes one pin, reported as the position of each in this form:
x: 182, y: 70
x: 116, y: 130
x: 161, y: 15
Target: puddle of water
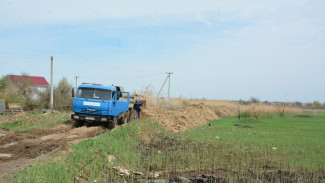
x: 5, y: 155
x: 9, y: 144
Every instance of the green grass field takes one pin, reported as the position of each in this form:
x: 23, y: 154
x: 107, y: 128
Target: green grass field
x: 35, y: 120
x: 270, y: 149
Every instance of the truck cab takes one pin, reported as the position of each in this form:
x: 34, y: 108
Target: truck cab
x: 100, y: 103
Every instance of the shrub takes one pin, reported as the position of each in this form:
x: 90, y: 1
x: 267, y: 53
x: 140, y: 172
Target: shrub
x: 62, y: 95
x: 317, y: 104
x: 9, y: 92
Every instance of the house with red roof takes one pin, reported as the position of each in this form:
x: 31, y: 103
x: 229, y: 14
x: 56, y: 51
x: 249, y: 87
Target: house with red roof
x: 38, y: 82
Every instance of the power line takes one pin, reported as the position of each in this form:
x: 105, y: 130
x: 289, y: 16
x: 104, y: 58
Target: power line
x: 23, y: 56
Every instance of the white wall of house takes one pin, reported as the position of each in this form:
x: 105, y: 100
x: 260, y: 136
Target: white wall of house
x: 40, y: 89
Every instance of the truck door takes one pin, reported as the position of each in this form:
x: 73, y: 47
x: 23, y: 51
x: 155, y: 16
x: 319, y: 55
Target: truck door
x: 119, y: 104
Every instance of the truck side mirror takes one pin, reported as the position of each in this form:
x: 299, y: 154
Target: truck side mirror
x: 72, y: 92
x: 114, y: 97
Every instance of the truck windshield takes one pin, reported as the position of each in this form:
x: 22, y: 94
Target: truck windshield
x: 94, y: 93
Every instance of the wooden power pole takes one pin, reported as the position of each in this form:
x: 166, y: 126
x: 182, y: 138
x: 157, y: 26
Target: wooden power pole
x: 76, y: 81
x: 51, y: 101
x: 169, y: 73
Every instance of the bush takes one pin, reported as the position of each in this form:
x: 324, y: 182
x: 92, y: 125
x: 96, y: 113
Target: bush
x: 317, y: 104
x: 44, y: 98
x: 62, y: 95
x: 9, y: 92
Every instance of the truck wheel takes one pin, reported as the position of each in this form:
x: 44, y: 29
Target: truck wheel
x: 78, y: 123
x: 112, y: 123
x: 86, y: 123
x: 120, y: 119
x: 124, y: 119
x: 129, y: 116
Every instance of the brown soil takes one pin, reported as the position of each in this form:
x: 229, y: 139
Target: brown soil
x: 191, y: 116
x: 19, y: 149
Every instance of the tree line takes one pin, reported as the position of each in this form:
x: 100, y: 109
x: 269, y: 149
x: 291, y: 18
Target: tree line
x: 254, y: 100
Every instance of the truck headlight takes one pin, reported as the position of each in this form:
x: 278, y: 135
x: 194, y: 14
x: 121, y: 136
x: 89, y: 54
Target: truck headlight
x: 75, y: 117
x: 104, y: 119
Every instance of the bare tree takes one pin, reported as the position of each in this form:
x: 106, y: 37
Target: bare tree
x: 254, y: 100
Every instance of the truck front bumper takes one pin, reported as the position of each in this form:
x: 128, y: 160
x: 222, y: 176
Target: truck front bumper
x: 86, y: 117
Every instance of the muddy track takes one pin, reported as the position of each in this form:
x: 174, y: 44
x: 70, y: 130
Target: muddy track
x: 18, y: 149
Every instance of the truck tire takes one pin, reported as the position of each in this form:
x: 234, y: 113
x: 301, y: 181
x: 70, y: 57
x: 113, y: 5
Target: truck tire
x: 86, y: 123
x: 112, y: 123
x: 121, y: 118
x: 120, y: 121
x: 129, y: 115
x: 124, y: 120
x: 78, y: 123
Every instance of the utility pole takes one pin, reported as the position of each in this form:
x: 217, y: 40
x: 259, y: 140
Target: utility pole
x: 76, y: 81
x: 51, y: 101
x: 169, y: 73
x: 168, y: 77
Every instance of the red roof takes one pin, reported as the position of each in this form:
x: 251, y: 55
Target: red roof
x: 34, y: 80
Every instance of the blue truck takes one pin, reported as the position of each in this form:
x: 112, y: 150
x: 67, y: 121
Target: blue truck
x: 99, y: 103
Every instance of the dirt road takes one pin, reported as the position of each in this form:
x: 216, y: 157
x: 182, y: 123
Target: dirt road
x: 19, y: 149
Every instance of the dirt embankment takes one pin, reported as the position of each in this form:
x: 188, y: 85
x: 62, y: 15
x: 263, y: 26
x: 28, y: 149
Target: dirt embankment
x: 193, y: 115
x: 18, y: 149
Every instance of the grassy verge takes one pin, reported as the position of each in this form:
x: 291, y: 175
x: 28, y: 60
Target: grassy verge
x: 34, y: 120
x: 268, y: 149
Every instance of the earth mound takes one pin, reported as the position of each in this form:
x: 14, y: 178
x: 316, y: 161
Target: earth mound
x: 191, y: 116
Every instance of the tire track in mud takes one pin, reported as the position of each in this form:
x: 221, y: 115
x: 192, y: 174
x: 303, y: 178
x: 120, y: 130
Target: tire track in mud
x: 18, y: 149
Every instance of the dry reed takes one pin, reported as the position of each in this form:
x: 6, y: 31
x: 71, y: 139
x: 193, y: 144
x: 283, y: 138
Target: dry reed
x: 152, y: 100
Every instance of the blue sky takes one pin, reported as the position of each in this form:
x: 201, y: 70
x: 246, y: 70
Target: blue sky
x: 217, y: 49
